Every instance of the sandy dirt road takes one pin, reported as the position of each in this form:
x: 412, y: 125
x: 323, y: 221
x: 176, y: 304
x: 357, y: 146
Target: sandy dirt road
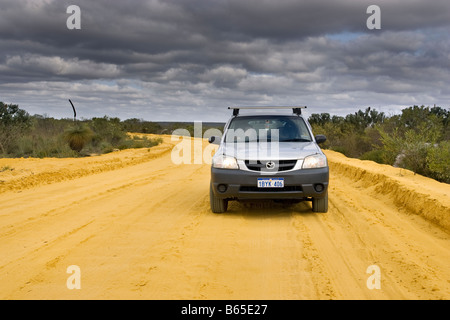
x: 139, y: 227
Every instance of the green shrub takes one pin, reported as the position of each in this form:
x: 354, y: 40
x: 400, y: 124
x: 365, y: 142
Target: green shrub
x: 77, y: 137
x: 14, y: 123
x: 376, y: 155
x: 109, y: 130
x: 339, y: 149
x: 438, y: 159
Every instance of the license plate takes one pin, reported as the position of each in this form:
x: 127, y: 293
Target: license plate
x: 270, y: 182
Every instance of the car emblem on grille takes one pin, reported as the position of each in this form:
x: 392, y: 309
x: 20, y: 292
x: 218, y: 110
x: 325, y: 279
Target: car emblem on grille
x: 270, y: 165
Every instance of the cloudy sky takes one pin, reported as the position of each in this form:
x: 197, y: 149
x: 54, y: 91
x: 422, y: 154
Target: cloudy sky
x: 191, y: 59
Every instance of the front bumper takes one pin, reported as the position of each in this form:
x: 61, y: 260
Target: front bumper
x: 241, y: 184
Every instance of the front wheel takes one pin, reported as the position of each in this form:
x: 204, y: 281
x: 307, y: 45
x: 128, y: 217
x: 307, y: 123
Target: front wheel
x: 218, y: 205
x: 320, y: 204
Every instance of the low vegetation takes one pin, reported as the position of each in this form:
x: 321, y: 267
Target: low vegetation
x: 23, y: 135
x: 418, y: 139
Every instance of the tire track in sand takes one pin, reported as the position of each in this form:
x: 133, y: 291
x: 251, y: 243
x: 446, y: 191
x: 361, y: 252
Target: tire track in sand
x: 145, y: 231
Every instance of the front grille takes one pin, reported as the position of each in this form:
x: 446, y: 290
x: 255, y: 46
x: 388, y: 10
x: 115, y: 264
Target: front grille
x: 280, y: 165
x: 284, y: 189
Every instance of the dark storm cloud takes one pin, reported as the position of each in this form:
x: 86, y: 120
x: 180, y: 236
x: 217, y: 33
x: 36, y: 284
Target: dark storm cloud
x: 123, y: 32
x: 157, y: 54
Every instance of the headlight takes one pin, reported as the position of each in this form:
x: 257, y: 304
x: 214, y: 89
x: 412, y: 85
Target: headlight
x: 314, y: 161
x: 224, y: 162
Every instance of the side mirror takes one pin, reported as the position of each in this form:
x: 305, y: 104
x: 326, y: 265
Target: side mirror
x: 214, y: 140
x: 320, y: 138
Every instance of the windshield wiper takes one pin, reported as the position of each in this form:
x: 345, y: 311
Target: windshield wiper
x: 268, y: 139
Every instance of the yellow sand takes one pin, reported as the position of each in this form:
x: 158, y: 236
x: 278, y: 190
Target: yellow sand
x: 139, y: 227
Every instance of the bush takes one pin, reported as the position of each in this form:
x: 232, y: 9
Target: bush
x: 376, y: 155
x: 417, y: 139
x: 14, y: 122
x: 408, y: 146
x: 78, y: 137
x: 22, y: 135
x: 438, y: 159
x: 109, y: 130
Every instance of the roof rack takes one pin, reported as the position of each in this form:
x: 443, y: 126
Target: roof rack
x: 296, y: 109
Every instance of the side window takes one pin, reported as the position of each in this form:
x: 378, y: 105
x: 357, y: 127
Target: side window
x: 304, y: 132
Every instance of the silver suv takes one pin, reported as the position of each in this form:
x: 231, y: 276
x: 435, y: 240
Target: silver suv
x: 268, y: 156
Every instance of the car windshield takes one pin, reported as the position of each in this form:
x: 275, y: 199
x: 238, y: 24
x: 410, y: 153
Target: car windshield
x: 268, y: 129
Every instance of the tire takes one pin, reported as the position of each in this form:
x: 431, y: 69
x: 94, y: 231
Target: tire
x: 217, y: 205
x: 320, y: 204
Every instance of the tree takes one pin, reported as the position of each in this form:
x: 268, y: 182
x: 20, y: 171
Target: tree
x: 319, y: 119
x: 13, y: 123
x: 364, y: 119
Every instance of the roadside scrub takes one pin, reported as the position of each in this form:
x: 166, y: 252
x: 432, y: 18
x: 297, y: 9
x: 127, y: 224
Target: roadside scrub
x: 23, y: 135
x: 418, y: 139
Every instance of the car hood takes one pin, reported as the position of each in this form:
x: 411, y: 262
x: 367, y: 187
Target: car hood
x: 269, y: 151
